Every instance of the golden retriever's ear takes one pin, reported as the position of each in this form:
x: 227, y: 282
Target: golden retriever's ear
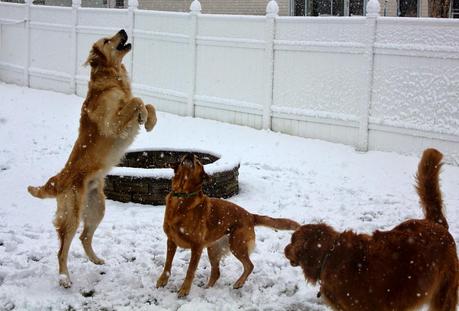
x: 95, y: 58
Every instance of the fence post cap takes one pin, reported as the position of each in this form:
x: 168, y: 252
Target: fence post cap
x: 195, y: 6
x: 272, y: 9
x: 373, y: 8
x: 76, y: 3
x: 133, y: 4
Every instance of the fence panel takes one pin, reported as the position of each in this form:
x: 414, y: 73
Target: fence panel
x: 372, y: 82
x: 50, y: 32
x: 161, y: 67
x: 416, y: 89
x: 13, y: 42
x: 230, y: 69
x: 320, y: 77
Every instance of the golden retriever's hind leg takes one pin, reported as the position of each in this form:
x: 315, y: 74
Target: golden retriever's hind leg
x: 92, y: 216
x: 445, y: 298
x: 241, y: 244
x: 66, y: 223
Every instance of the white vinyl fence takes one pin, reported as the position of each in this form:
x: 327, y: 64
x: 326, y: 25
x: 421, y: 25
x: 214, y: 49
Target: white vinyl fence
x: 373, y: 82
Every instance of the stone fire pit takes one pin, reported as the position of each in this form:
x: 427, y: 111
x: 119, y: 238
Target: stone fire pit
x: 144, y: 176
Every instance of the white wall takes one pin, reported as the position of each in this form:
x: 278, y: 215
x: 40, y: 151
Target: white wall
x: 372, y: 82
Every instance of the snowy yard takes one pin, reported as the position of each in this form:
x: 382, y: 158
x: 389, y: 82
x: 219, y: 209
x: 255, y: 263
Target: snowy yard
x: 280, y: 175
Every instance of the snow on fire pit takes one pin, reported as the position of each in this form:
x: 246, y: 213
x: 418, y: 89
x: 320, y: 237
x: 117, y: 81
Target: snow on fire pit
x: 144, y: 176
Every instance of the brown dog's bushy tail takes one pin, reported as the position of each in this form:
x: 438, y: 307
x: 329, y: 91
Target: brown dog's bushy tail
x: 46, y: 191
x: 275, y: 223
x: 428, y: 186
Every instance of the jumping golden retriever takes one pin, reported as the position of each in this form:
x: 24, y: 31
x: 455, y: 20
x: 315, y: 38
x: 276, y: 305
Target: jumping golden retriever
x: 413, y: 264
x: 110, y: 119
x: 193, y: 220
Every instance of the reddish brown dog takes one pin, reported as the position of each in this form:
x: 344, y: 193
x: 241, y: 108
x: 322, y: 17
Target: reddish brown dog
x: 193, y: 220
x: 413, y: 264
x: 110, y: 119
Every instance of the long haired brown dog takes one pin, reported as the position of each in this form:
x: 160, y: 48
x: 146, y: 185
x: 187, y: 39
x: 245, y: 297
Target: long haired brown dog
x: 193, y: 220
x: 110, y: 119
x: 413, y: 264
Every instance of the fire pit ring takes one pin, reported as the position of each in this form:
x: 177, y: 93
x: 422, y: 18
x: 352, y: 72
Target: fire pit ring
x: 144, y: 176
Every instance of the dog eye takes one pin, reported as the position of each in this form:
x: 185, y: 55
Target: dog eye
x: 106, y: 41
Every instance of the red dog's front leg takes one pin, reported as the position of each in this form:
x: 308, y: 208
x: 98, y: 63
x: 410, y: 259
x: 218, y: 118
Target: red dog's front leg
x: 164, y: 278
x: 196, y: 252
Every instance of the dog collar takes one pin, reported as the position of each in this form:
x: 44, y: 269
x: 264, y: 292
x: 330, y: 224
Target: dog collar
x: 322, y: 265
x: 325, y: 258
x: 185, y: 195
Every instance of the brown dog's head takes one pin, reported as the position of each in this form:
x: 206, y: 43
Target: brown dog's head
x: 109, y: 51
x: 309, y: 245
x: 189, y: 174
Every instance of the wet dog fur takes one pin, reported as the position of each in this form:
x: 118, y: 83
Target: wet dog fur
x: 110, y: 119
x: 195, y: 221
x: 411, y: 265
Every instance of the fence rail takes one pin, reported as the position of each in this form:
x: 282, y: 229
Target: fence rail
x: 373, y: 82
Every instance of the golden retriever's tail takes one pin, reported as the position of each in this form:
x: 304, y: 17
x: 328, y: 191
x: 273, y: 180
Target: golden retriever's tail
x: 46, y: 191
x: 275, y: 223
x: 428, y: 186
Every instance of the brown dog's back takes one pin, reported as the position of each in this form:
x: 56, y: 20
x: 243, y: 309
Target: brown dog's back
x: 401, y: 269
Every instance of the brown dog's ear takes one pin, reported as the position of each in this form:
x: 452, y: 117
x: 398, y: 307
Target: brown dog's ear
x: 204, y: 175
x: 174, y: 166
x: 95, y: 58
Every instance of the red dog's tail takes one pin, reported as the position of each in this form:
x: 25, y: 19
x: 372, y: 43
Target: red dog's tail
x: 428, y: 186
x: 275, y: 223
x: 46, y: 191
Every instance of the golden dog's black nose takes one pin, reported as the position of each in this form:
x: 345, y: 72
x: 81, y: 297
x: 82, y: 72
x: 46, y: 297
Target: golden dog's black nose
x: 123, y: 33
x: 122, y: 46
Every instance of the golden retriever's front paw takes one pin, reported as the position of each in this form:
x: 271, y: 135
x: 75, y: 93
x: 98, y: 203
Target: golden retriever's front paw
x: 97, y: 261
x: 151, y: 119
x: 64, y: 281
x: 162, y: 281
x: 183, y: 292
x: 143, y: 115
x: 238, y: 284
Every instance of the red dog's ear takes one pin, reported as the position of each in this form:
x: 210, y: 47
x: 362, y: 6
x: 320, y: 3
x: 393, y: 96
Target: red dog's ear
x: 96, y: 57
x: 204, y: 175
x: 174, y: 166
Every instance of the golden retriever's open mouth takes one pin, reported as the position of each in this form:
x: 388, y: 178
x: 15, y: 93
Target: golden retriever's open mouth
x: 122, y: 46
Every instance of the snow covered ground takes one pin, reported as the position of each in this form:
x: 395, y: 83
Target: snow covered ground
x: 280, y: 175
